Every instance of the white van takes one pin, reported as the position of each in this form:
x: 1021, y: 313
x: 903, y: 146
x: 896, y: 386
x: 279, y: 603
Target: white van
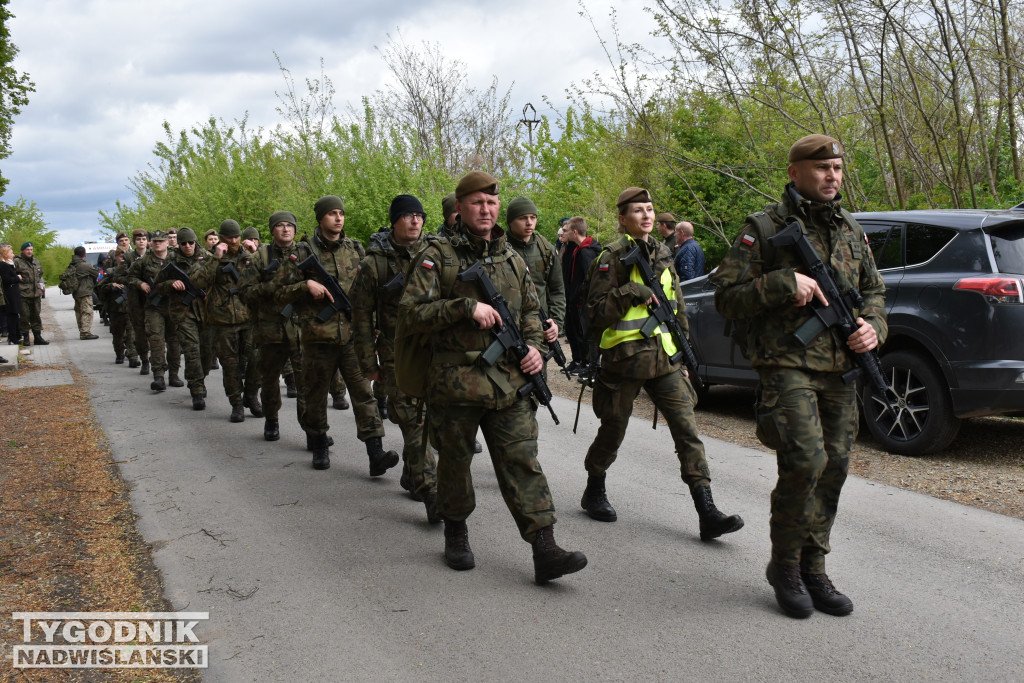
x: 96, y: 251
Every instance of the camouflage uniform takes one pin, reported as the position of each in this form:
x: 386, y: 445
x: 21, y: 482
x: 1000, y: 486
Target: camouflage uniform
x: 135, y: 306
x: 328, y: 346
x: 276, y: 336
x: 374, y: 319
x: 117, y: 311
x: 630, y: 366
x: 804, y: 410
x: 464, y: 395
x: 31, y: 272
x: 546, y: 273
x: 228, y: 318
x: 87, y: 274
x: 187, y: 318
x: 161, y: 332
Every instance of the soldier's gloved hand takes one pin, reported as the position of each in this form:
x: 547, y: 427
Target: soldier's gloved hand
x: 485, y: 316
x: 532, y: 362
x: 642, y: 294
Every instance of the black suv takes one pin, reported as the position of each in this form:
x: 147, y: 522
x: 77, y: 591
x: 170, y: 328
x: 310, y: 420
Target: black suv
x: 955, y: 303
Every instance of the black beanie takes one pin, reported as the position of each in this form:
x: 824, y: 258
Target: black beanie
x: 403, y: 203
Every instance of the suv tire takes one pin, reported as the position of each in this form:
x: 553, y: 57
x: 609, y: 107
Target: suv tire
x: 926, y: 421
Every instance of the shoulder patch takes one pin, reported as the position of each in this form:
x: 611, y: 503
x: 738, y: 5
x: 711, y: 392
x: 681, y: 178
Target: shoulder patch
x: 428, y: 264
x: 749, y: 240
x: 603, y: 268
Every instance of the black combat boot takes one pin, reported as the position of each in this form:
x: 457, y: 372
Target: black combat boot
x: 37, y: 339
x: 825, y: 596
x: 311, y: 447
x: 382, y: 407
x: 321, y: 457
x: 119, y: 360
x: 790, y: 591
x: 254, y: 405
x: 477, y: 447
x: 380, y: 462
x: 713, y: 522
x: 237, y: 413
x: 215, y: 364
x: 25, y: 341
x: 158, y: 383
x: 289, y: 385
x: 144, y: 370
x: 595, y: 500
x: 271, y: 429
x: 430, y: 503
x: 198, y: 402
x: 550, y: 561
x: 405, y: 481
x: 341, y: 403
x: 175, y: 381
x: 457, y: 553
x: 134, y: 362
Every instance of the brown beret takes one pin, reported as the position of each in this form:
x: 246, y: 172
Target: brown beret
x: 633, y: 195
x: 139, y: 232
x: 815, y: 147
x: 476, y: 181
x: 211, y: 231
x: 666, y: 218
x: 122, y: 234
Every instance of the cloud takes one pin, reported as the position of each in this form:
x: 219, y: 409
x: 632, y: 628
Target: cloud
x: 108, y: 73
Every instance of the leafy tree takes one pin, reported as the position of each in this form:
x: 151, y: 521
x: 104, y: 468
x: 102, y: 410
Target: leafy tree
x: 23, y: 222
x: 14, y: 88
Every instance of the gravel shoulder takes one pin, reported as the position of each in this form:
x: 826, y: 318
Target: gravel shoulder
x: 983, y: 468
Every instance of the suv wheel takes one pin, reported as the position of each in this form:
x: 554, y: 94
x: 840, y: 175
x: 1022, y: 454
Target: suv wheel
x: 924, y: 421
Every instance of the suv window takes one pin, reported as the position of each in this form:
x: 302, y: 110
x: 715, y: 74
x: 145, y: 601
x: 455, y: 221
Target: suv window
x: 884, y: 241
x: 925, y: 241
x: 1008, y: 248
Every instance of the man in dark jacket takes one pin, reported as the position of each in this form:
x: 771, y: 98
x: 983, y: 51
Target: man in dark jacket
x: 585, y: 250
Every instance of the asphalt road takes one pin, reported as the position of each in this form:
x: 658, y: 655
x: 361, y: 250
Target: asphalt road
x: 336, y: 576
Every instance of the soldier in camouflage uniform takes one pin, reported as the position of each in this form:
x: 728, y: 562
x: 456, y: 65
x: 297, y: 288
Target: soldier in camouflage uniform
x: 160, y: 327
x: 228, y: 317
x: 448, y: 216
x: 116, y: 304
x: 542, y: 260
x: 377, y: 288
x: 136, y: 304
x: 464, y: 394
x: 186, y: 312
x: 32, y: 292
x: 617, y: 306
x: 328, y: 345
x: 805, y: 411
x: 275, y: 327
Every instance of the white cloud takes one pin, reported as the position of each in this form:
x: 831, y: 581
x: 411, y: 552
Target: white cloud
x: 108, y: 73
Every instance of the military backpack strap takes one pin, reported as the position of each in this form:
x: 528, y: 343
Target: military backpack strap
x: 766, y: 229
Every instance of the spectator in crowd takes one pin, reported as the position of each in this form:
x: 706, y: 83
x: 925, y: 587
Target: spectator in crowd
x: 585, y: 249
x: 11, y: 284
x: 667, y: 230
x: 689, y: 258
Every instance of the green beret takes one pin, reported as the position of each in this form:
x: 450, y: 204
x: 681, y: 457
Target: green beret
x: 26, y: 246
x: 633, y: 195
x: 187, y: 235
x: 158, y: 236
x: 448, y: 205
x: 476, y: 181
x: 815, y: 147
x: 250, y: 233
x: 282, y: 217
x: 325, y: 205
x: 520, y: 206
x: 230, y: 228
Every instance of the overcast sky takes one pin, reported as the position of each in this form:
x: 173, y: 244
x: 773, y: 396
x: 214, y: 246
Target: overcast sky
x: 108, y: 73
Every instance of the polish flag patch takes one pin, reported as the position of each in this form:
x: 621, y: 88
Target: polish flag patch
x: 428, y: 264
x: 603, y: 268
x: 748, y: 240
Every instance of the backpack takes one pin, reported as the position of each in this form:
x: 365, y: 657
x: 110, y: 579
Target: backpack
x: 69, y: 280
x: 413, y: 353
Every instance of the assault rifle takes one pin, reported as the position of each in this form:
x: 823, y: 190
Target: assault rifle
x: 154, y: 297
x: 395, y: 283
x: 555, y: 348
x: 320, y: 274
x: 174, y: 272
x: 662, y: 314
x: 838, y: 313
x: 507, y: 336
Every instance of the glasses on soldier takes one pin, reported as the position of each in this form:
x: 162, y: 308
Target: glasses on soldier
x: 189, y: 242
x: 414, y: 214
